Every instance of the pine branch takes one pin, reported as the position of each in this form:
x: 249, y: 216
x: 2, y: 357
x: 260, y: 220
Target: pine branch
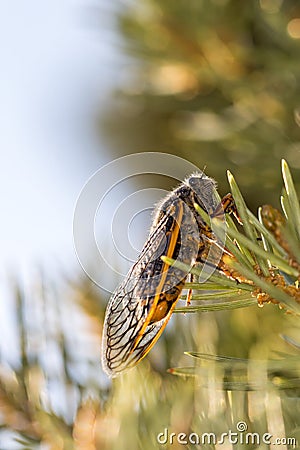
x: 263, y: 266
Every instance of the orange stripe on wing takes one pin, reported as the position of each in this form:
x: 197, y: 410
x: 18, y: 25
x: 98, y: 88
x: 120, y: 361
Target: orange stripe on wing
x: 157, y: 336
x: 170, y: 252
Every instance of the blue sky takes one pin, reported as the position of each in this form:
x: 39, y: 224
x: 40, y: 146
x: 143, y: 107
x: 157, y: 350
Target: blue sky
x: 59, y: 61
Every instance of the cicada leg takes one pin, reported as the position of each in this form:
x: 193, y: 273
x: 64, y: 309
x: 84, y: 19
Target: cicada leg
x: 190, y: 279
x: 227, y: 206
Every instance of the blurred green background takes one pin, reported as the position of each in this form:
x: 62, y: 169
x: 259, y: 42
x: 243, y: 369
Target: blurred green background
x: 217, y: 83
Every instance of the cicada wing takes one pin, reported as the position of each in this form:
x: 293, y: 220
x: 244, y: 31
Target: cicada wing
x: 121, y: 330
x: 132, y: 324
x: 130, y: 304
x: 128, y: 333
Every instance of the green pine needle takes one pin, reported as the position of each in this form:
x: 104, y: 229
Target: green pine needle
x: 291, y: 198
x: 234, y: 374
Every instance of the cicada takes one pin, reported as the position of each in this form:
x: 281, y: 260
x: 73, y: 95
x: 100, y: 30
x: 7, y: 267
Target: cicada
x: 142, y: 305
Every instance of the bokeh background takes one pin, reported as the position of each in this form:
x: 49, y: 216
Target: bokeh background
x: 216, y: 82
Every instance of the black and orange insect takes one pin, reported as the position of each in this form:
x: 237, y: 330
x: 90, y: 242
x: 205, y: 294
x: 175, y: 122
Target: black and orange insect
x: 141, y: 306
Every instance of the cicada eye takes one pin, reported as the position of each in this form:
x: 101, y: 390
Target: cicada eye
x: 194, y: 182
x: 204, y: 190
x: 199, y: 181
